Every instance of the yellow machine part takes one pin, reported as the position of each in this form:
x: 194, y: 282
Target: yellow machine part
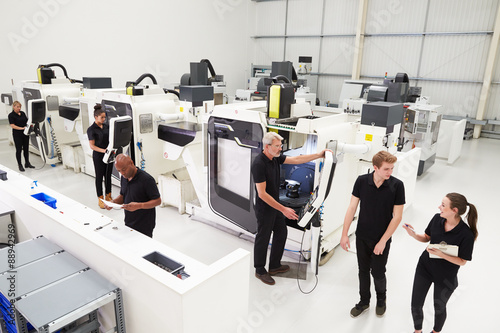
x: 274, y: 101
x: 39, y: 72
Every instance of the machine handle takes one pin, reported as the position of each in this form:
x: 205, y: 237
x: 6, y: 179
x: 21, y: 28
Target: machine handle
x: 224, y: 126
x: 244, y: 145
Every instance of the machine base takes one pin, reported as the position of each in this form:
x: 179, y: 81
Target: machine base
x: 423, y: 165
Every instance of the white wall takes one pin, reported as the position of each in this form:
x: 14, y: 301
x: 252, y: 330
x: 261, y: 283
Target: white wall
x: 450, y: 67
x: 124, y: 39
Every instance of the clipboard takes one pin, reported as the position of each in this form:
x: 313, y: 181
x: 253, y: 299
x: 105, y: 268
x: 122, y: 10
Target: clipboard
x: 451, y: 250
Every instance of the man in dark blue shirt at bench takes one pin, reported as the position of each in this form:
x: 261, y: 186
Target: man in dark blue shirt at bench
x: 139, y: 195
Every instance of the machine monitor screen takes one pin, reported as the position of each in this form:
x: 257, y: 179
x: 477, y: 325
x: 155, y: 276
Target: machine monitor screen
x: 122, y: 133
x: 37, y: 111
x: 233, y: 167
x: 321, y: 191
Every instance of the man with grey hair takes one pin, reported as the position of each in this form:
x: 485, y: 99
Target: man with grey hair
x: 270, y: 213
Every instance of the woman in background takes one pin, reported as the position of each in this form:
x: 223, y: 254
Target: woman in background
x: 98, y: 134
x: 442, y: 270
x: 18, y: 122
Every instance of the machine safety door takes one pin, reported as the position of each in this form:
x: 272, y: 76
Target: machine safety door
x: 232, y: 147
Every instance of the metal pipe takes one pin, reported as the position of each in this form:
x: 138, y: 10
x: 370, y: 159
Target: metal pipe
x: 349, y: 148
x: 70, y: 100
x: 392, y: 34
x: 168, y: 117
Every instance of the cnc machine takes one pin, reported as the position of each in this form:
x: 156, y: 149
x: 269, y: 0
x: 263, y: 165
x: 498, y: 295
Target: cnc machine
x: 219, y: 155
x: 54, y: 91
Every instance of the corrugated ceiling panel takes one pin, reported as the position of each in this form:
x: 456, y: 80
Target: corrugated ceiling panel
x: 493, y: 105
x: 395, y: 16
x: 462, y: 15
x: 457, y: 99
x: 329, y: 88
x: 268, y: 50
x: 391, y: 55
x: 304, y: 17
x: 455, y: 57
x: 270, y: 18
x: 337, y: 55
x: 341, y: 17
x: 309, y: 47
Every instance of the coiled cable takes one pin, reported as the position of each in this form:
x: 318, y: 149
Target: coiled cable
x: 53, y: 141
x: 143, y: 160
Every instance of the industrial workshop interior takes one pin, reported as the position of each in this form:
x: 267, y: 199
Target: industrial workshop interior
x: 170, y: 103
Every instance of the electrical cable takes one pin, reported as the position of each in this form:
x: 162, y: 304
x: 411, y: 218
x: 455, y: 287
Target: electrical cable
x: 54, y: 142
x: 210, y: 67
x: 37, y: 133
x: 43, y: 159
x: 295, y: 251
x: 315, y: 275
x: 64, y: 71
x: 143, y: 160
x: 175, y: 92
x: 300, y: 252
x: 43, y: 165
x: 142, y: 77
x: 278, y: 78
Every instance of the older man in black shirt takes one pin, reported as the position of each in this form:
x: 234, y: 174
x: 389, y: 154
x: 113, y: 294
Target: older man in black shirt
x: 139, y: 196
x: 270, y: 213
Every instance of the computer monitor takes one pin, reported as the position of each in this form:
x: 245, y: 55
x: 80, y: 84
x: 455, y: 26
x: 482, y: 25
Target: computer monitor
x: 122, y: 133
x: 37, y: 107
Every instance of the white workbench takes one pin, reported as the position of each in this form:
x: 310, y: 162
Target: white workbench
x: 210, y: 300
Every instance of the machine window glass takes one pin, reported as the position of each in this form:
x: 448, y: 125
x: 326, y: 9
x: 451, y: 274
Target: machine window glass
x: 233, y: 167
x: 232, y: 147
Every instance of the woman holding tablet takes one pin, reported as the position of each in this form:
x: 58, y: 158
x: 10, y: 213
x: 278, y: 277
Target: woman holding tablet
x: 435, y: 266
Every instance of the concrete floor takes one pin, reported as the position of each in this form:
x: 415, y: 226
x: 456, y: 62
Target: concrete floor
x: 284, y: 308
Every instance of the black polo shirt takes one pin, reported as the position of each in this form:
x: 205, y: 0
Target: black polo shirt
x: 376, y: 205
x: 141, y: 188
x: 440, y: 270
x: 19, y: 120
x: 266, y: 170
x: 99, y: 135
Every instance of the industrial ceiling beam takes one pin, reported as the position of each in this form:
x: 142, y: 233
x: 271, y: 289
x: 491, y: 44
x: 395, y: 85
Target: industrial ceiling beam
x: 488, y: 75
x: 360, y: 39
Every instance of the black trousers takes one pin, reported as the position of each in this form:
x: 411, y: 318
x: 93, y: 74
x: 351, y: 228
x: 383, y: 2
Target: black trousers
x: 270, y: 221
x: 148, y: 232
x: 442, y: 293
x: 368, y: 263
x: 21, y: 142
x: 102, y: 170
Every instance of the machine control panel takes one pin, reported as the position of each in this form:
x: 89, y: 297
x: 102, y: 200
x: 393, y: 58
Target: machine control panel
x: 320, y: 192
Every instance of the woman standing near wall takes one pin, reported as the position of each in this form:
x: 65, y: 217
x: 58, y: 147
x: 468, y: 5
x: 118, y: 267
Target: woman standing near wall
x: 98, y: 134
x: 18, y: 122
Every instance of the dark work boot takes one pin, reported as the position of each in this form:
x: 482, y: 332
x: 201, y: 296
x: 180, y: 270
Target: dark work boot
x: 21, y: 168
x: 380, y: 308
x: 359, y: 309
x: 28, y: 165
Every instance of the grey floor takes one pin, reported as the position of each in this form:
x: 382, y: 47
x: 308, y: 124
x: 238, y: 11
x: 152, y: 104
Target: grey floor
x: 284, y: 308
